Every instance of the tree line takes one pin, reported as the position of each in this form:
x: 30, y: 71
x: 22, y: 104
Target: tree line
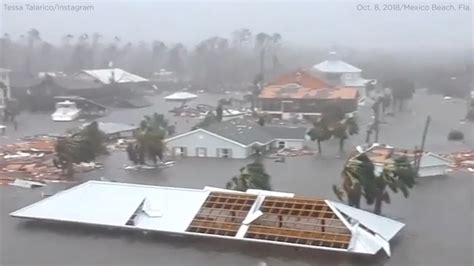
x: 215, y: 61
x: 233, y: 60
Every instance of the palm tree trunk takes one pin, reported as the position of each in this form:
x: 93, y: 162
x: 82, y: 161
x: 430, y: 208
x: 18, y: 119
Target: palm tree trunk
x: 378, y: 205
x: 341, y: 145
x: 367, y: 137
x: 69, y: 169
x: 319, y: 147
x: 379, y: 200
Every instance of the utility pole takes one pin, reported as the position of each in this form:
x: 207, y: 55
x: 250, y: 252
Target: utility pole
x: 376, y: 108
x: 376, y: 125
x: 423, y: 140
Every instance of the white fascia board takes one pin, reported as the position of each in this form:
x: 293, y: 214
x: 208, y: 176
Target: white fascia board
x: 385, y: 227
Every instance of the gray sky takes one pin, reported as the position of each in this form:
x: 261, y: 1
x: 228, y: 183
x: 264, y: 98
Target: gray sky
x: 306, y: 23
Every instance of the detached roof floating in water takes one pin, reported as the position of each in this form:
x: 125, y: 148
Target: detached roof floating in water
x: 255, y: 216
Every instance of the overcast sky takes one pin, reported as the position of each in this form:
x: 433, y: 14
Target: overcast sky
x: 305, y: 23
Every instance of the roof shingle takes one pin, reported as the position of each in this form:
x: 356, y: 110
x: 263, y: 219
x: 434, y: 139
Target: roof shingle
x: 248, y: 132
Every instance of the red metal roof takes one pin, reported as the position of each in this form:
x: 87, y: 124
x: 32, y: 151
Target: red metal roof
x: 301, y: 77
x: 300, y: 84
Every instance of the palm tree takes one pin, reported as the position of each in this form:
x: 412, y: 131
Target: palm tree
x: 398, y: 174
x: 175, y: 59
x: 345, y: 128
x: 33, y: 36
x: 95, y: 136
x: 149, y: 143
x: 252, y: 176
x: 70, y: 150
x: 360, y: 179
x: 320, y: 132
x: 207, y: 121
x: 333, y: 124
x: 157, y: 53
x: 219, y: 112
x: 262, y: 44
x: 5, y: 44
x: 65, y: 150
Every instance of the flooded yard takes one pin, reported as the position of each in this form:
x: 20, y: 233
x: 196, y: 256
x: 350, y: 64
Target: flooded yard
x: 438, y: 214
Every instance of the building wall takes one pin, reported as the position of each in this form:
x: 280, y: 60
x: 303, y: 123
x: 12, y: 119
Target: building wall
x: 5, y: 79
x: 306, y: 106
x: 200, y: 139
x: 433, y: 170
x: 425, y: 170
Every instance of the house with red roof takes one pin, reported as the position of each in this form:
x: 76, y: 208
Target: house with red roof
x: 302, y: 94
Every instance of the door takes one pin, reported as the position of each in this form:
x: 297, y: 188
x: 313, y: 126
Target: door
x: 201, y: 152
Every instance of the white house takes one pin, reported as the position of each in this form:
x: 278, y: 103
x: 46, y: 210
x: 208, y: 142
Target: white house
x: 5, y: 91
x: 431, y: 164
x: 341, y: 73
x: 236, y: 138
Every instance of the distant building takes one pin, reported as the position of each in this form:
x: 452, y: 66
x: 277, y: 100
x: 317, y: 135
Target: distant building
x: 5, y: 92
x: 114, y: 131
x: 301, y: 94
x: 339, y: 73
x: 117, y: 86
x: 165, y: 76
x: 37, y: 92
x: 236, y: 138
x: 431, y: 164
x: 109, y: 76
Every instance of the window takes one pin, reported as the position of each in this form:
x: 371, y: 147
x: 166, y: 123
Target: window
x: 281, y: 144
x: 224, y: 153
x: 180, y: 151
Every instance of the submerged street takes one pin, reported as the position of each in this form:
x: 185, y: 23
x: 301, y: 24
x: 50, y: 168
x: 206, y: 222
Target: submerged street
x: 438, y: 214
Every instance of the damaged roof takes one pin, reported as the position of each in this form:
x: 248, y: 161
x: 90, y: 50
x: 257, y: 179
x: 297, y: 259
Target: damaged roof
x: 304, y: 84
x: 380, y: 153
x: 109, y: 75
x: 71, y: 83
x: 248, y: 132
x: 302, y: 77
x: 19, y: 79
x: 295, y: 91
x: 253, y: 216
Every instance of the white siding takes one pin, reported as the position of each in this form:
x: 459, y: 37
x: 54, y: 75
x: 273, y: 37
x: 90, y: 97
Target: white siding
x: 433, y: 170
x: 201, y: 139
x: 424, y: 171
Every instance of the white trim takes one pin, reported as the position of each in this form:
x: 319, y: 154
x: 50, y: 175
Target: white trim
x: 208, y: 132
x: 338, y: 214
x: 228, y: 140
x: 438, y: 157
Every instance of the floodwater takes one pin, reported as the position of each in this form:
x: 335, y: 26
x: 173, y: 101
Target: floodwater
x: 438, y: 214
